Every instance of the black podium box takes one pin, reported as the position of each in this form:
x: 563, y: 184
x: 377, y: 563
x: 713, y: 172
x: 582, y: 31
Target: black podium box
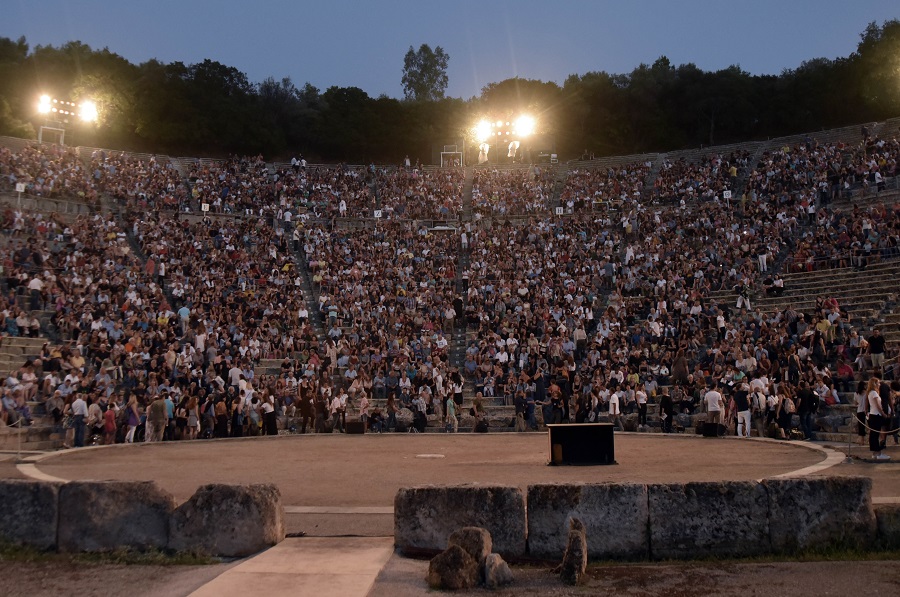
x: 582, y: 443
x: 356, y: 427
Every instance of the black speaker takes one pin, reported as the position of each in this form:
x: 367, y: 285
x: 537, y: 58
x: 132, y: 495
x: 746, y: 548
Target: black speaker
x: 713, y: 430
x: 356, y: 427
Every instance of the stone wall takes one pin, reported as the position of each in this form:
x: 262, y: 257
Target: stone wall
x: 425, y: 516
x: 661, y: 521
x: 97, y: 516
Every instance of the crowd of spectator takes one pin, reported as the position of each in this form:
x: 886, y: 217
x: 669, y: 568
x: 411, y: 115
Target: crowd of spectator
x: 513, y: 191
x: 163, y: 315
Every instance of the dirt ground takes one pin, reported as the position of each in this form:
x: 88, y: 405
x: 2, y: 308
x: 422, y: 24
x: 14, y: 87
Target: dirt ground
x: 365, y: 471
x: 406, y: 578
x: 353, y: 471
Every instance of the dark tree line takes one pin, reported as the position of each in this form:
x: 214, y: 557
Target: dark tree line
x: 213, y: 109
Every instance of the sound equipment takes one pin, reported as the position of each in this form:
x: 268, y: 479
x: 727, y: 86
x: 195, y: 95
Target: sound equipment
x: 582, y: 443
x: 356, y: 427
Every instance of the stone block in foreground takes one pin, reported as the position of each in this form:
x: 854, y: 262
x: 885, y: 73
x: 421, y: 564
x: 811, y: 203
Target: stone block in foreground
x: 109, y: 515
x: 820, y: 512
x: 691, y: 520
x: 425, y: 516
x: 228, y: 520
x: 614, y: 515
x: 888, y: 517
x: 29, y: 512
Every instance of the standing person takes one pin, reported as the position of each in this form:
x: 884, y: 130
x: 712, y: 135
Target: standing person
x: 306, y: 404
x: 364, y: 411
x: 615, y: 413
x: 79, y: 410
x: 391, y: 413
x: 134, y: 418
x: 784, y: 413
x: 221, y: 412
x: 640, y: 397
x: 862, y: 407
x: 156, y: 420
x: 452, y: 419
x: 193, y: 418
x: 337, y: 412
x: 876, y: 350
x: 877, y: 417
x: 109, y: 426
x: 270, y: 419
x: 715, y: 404
x: 743, y: 407
x: 666, y: 410
x: 808, y: 406
x: 759, y: 409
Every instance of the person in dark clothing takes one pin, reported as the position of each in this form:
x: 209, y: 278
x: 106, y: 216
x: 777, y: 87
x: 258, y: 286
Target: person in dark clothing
x: 666, y: 411
x: 807, y: 408
x: 306, y: 408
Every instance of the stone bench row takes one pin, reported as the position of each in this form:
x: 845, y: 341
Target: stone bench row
x: 656, y: 522
x: 100, y: 516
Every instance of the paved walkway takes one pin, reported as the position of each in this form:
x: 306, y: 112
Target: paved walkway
x: 313, y: 566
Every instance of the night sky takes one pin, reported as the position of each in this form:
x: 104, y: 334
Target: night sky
x: 361, y: 44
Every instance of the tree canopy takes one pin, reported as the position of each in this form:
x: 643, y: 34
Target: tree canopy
x: 425, y: 73
x: 210, y: 108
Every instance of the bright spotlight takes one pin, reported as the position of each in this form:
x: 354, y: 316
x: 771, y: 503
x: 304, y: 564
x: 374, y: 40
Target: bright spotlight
x: 44, y: 104
x: 88, y: 111
x: 499, y: 123
x: 482, y: 131
x: 525, y: 126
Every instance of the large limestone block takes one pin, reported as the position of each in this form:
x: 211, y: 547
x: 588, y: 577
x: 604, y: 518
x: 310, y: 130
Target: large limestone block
x: 29, y: 512
x: 425, y: 516
x: 614, y: 515
x: 817, y: 512
x: 888, y: 517
x: 708, y: 519
x: 228, y: 520
x: 107, y: 515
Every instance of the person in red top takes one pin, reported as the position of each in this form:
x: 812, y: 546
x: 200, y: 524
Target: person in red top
x: 109, y: 427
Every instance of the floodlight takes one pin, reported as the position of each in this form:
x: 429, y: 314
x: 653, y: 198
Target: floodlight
x: 525, y: 126
x: 44, y: 104
x: 482, y: 131
x: 88, y: 111
x: 499, y: 123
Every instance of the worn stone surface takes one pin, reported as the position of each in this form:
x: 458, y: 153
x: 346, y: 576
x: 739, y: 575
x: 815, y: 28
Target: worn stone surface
x: 29, y: 512
x: 708, y: 519
x: 425, y: 516
x: 574, y: 563
x: 107, y: 515
x: 496, y: 572
x: 818, y: 512
x: 453, y: 569
x: 475, y: 540
x: 229, y: 520
x: 888, y: 517
x: 614, y: 515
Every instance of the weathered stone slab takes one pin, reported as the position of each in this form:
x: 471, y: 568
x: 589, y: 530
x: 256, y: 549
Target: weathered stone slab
x: 476, y: 541
x: 708, y: 519
x: 453, y: 569
x: 888, y: 517
x: 496, y: 572
x: 817, y: 512
x: 575, y: 559
x: 108, y: 515
x: 228, y: 520
x: 614, y: 515
x: 425, y: 516
x: 29, y: 512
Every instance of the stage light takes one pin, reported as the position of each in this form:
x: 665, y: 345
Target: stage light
x: 88, y: 111
x: 44, y: 104
x: 525, y: 126
x: 499, y: 123
x: 482, y: 131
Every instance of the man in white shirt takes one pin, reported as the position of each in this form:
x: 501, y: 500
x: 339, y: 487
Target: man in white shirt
x: 615, y: 413
x: 79, y: 413
x: 714, y: 405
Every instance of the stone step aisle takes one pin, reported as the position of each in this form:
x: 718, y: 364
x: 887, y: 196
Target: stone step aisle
x: 306, y: 566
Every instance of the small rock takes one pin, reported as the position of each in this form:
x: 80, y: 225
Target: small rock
x: 496, y: 572
x: 574, y: 562
x: 453, y: 569
x: 475, y: 540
